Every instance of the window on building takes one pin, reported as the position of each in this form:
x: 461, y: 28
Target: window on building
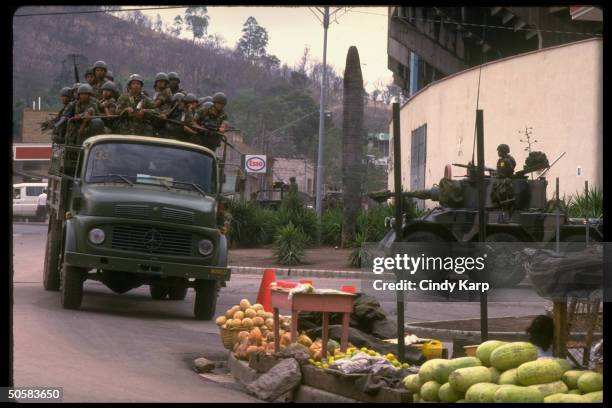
x: 418, y: 157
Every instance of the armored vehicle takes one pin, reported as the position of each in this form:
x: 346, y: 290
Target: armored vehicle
x: 516, y: 211
x: 133, y: 210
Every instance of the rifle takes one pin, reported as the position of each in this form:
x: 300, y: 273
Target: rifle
x: 76, y: 70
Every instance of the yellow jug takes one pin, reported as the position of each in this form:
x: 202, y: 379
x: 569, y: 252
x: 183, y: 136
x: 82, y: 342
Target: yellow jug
x: 432, y: 349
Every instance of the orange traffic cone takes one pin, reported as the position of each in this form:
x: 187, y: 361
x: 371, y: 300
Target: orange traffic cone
x: 264, y: 297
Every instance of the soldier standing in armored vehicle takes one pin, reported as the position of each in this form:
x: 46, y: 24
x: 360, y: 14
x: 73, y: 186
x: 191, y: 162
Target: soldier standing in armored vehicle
x: 133, y: 106
x: 506, y: 163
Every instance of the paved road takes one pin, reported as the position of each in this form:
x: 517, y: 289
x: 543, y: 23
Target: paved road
x: 131, y: 348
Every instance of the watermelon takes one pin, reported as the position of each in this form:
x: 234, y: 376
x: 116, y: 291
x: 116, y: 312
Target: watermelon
x: 590, y: 382
x: 563, y: 363
x: 494, y: 375
x: 596, y: 396
x: 539, y: 372
x: 443, y: 369
x: 412, y: 384
x: 429, y: 391
x: 509, y: 377
x: 555, y: 387
x: 574, y: 391
x: 426, y: 370
x: 570, y: 378
x: 573, y: 398
x: 463, y: 378
x: 555, y: 398
x: 512, y: 355
x: 416, y: 398
x: 515, y: 393
x: 481, y: 392
x: 447, y: 394
x: 484, y: 350
x: 461, y: 401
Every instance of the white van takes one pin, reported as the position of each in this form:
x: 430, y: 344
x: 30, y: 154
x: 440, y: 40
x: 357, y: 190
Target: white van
x: 25, y: 199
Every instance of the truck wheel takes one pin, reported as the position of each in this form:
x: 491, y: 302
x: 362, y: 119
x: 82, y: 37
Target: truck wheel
x: 178, y: 292
x: 158, y: 292
x: 72, y: 286
x: 506, y: 271
x: 51, y: 275
x: 206, y: 299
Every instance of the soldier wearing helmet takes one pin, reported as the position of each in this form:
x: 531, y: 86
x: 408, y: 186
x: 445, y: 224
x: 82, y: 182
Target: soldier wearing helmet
x: 191, y: 102
x: 90, y: 76
x: 163, y: 96
x: 75, y: 89
x: 506, y: 163
x: 135, y: 108
x: 57, y: 124
x: 100, y: 70
x: 181, y: 113
x: 80, y: 127
x: 108, y: 103
x: 173, y: 83
x: 213, y: 120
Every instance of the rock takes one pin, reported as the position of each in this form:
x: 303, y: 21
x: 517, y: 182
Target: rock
x: 262, y: 362
x: 203, y: 365
x: 297, y: 351
x: 281, y: 379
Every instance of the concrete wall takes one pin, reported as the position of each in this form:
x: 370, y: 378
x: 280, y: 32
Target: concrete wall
x: 301, y: 169
x: 558, y: 91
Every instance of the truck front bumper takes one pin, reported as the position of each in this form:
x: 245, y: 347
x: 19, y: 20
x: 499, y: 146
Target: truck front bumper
x: 147, y: 267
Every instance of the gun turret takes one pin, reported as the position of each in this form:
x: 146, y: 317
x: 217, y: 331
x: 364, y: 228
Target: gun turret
x: 426, y: 194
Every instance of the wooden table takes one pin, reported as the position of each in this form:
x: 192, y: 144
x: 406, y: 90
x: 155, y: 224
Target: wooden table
x: 310, y: 302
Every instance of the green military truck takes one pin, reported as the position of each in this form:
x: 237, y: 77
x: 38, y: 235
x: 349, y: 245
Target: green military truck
x: 133, y: 210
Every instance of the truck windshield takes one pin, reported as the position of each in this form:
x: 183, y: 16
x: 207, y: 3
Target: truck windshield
x: 151, y: 164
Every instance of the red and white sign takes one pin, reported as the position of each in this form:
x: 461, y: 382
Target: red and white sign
x: 255, y: 163
x: 27, y: 152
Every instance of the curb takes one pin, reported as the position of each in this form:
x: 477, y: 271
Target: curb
x: 317, y: 273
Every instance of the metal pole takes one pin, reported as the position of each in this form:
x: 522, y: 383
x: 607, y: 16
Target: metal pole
x: 586, y: 215
x: 397, y: 175
x: 558, y: 236
x: 482, y: 222
x: 320, y: 167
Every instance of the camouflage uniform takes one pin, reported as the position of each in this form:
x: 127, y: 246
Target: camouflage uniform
x: 506, y: 163
x: 176, y: 131
x: 58, y: 133
x: 163, y: 100
x: 129, y: 124
x: 72, y: 132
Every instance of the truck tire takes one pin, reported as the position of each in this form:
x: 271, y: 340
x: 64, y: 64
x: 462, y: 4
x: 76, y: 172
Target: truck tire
x: 206, y: 299
x: 506, y: 273
x: 51, y: 273
x: 72, y: 286
x: 178, y: 292
x: 158, y: 292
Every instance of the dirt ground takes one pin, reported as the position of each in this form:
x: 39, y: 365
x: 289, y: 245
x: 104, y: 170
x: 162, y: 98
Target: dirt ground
x: 322, y: 258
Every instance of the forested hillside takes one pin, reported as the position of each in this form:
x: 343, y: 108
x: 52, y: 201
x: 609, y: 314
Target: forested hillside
x: 264, y: 94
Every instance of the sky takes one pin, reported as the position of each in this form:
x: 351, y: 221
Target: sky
x: 290, y: 29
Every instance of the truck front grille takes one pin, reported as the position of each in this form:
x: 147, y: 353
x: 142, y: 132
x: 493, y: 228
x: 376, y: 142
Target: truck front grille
x: 152, y: 240
x: 171, y: 214
x: 132, y: 211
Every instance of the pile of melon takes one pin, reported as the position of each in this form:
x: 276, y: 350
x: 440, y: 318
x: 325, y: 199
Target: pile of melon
x: 504, y: 372
x: 246, y: 316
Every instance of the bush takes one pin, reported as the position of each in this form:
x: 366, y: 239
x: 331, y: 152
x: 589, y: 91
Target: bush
x: 289, y: 245
x: 250, y: 224
x: 292, y: 210
x: 371, y: 222
x: 331, y: 226
x: 589, y: 204
x: 359, y: 256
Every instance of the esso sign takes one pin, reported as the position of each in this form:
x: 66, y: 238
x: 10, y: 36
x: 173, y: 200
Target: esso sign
x: 255, y: 163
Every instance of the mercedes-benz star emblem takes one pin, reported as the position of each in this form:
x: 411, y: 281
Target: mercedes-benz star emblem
x: 152, y: 240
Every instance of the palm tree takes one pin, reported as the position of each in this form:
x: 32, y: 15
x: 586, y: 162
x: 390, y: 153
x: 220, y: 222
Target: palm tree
x: 352, y: 149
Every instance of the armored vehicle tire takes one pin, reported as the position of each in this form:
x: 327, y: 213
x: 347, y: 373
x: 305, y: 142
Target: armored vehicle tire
x: 426, y: 236
x: 178, y: 292
x: 206, y: 299
x: 505, y: 274
x: 158, y: 292
x: 72, y: 286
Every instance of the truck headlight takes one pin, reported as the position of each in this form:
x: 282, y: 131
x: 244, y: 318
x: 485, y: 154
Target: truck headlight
x: 96, y: 236
x: 205, y: 247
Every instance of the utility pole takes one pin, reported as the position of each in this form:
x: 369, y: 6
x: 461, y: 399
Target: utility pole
x: 320, y: 167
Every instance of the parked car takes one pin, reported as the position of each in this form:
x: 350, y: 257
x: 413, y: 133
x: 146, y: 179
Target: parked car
x: 25, y: 199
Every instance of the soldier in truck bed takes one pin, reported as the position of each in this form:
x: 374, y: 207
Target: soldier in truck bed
x: 58, y: 133
x: 134, y: 107
x: 179, y: 112
x: 79, y: 126
x: 100, y: 70
x: 174, y: 83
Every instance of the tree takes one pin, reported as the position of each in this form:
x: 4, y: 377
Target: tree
x: 137, y: 17
x: 177, y: 26
x: 270, y: 62
x: 303, y: 64
x: 158, y: 25
x: 252, y: 45
x: 197, y: 21
x: 352, y: 144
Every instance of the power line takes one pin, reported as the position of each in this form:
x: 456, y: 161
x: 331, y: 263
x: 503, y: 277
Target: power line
x: 429, y: 20
x: 95, y: 11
